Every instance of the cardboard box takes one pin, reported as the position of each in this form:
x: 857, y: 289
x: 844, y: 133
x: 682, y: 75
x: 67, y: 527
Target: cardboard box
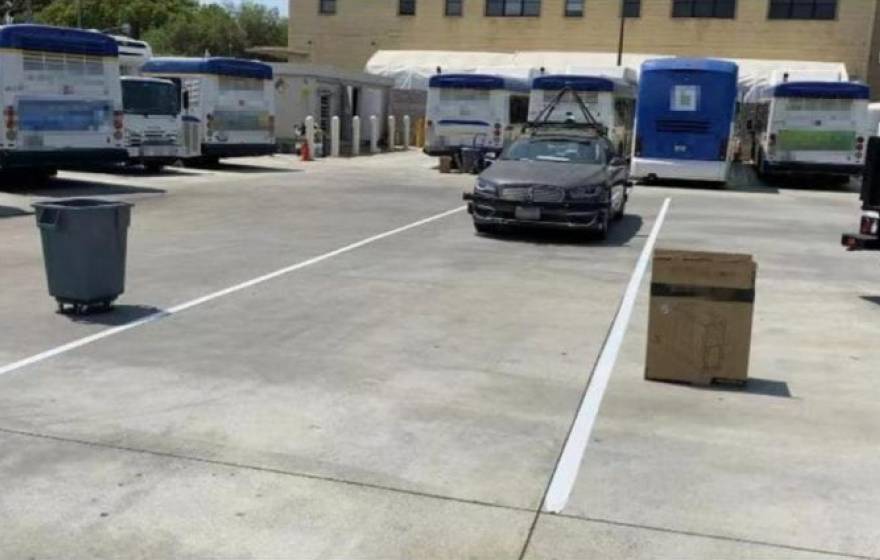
x: 700, y: 324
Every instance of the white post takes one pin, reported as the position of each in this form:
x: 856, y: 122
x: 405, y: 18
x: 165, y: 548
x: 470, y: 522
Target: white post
x: 310, y: 135
x: 374, y: 134
x: 356, y: 136
x: 334, y: 136
x: 392, y: 132
x: 406, y: 131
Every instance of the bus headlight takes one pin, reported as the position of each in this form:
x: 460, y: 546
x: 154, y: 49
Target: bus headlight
x: 587, y: 192
x: 485, y: 188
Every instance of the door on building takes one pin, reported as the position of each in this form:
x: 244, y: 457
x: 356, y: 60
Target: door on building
x: 325, y: 100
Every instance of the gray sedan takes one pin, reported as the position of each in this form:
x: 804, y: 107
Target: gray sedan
x: 563, y: 180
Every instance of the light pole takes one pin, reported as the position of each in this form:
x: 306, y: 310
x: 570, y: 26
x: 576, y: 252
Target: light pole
x: 622, y: 29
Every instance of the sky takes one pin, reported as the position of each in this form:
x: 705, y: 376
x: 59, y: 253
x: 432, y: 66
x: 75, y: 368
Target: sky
x: 280, y: 4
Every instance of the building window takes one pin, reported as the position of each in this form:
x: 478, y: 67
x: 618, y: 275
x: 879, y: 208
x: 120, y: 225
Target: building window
x: 327, y: 7
x: 513, y: 8
x: 802, y: 9
x: 454, y: 7
x: 574, y: 8
x: 406, y: 7
x: 632, y: 8
x: 704, y: 9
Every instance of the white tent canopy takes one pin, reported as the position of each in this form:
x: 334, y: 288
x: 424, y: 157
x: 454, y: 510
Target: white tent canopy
x: 412, y: 69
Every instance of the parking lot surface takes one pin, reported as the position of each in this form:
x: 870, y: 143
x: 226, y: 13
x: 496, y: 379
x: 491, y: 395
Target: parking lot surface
x: 369, y: 378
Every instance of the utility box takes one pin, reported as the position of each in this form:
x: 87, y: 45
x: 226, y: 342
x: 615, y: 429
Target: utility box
x: 700, y: 324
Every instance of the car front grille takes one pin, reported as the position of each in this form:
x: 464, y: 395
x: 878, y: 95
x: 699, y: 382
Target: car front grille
x: 547, y: 194
x: 515, y: 193
x: 536, y: 193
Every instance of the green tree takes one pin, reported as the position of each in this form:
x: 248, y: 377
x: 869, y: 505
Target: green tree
x: 141, y: 15
x: 210, y: 28
x: 261, y: 25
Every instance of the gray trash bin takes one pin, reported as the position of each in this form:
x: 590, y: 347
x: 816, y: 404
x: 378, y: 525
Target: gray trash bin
x: 84, y: 245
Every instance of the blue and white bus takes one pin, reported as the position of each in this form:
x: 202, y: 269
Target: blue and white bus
x: 61, y: 97
x: 809, y: 127
x: 610, y: 101
x: 228, y: 105
x: 685, y: 120
x: 473, y: 110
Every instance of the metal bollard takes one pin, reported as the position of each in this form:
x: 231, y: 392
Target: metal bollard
x: 392, y: 133
x: 374, y: 134
x: 407, y: 126
x: 310, y: 136
x: 334, y: 137
x: 356, y: 136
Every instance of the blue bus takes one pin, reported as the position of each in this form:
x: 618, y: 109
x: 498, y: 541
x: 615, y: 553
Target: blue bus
x: 685, y: 120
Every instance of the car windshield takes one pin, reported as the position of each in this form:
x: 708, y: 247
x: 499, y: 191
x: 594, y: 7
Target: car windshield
x: 562, y: 150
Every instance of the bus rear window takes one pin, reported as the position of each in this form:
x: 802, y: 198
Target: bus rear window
x: 235, y: 83
x: 64, y: 115
x: 814, y: 104
x: 463, y: 103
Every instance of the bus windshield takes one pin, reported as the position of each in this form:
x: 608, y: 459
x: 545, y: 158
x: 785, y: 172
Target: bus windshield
x: 149, y: 98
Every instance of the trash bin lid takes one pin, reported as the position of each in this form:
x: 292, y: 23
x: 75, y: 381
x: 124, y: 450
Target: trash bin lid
x: 80, y: 203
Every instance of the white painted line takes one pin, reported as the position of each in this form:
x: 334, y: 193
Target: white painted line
x: 566, y: 471
x: 14, y: 366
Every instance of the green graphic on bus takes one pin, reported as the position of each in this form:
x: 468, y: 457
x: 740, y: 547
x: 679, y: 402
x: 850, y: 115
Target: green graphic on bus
x: 816, y: 140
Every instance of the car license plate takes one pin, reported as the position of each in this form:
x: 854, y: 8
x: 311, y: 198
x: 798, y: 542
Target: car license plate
x: 157, y: 151
x: 527, y: 213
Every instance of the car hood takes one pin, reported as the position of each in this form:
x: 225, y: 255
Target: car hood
x: 566, y: 175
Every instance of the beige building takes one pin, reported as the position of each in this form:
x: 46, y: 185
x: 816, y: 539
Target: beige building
x: 346, y: 33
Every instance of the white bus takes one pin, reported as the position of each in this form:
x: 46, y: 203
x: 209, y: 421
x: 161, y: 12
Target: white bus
x: 810, y: 127
x: 228, y: 105
x: 61, y: 96
x: 611, y: 102
x: 133, y: 54
x: 153, y: 124
x: 473, y: 110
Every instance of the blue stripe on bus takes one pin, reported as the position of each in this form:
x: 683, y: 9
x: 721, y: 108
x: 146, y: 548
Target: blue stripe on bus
x: 823, y: 90
x: 473, y: 123
x: 29, y: 37
x: 219, y: 66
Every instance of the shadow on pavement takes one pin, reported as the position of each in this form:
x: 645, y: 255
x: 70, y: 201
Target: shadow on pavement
x: 13, y: 212
x: 116, y: 315
x: 621, y: 233
x: 72, y: 188
x: 243, y: 168
x: 871, y: 299
x: 754, y: 386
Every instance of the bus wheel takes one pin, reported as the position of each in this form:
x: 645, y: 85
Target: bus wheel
x: 154, y: 168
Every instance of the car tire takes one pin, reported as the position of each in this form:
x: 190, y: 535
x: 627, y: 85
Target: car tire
x: 620, y: 213
x: 602, y: 232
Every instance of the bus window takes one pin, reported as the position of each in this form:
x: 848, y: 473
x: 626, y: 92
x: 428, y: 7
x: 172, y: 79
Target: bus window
x: 519, y: 109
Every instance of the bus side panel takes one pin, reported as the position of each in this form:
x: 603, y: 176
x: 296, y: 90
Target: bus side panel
x: 686, y: 115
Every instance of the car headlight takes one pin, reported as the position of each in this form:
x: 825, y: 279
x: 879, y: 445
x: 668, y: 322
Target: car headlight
x: 485, y: 188
x: 585, y: 193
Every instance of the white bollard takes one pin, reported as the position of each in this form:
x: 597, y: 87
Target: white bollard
x: 310, y: 136
x: 374, y: 134
x: 406, y: 131
x: 392, y: 133
x: 356, y: 136
x: 334, y: 137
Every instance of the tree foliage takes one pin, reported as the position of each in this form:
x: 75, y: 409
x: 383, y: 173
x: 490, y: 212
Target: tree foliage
x: 172, y: 27
x: 141, y: 15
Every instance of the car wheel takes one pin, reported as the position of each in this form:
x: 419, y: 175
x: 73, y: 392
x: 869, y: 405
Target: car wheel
x: 621, y: 209
x: 604, y: 225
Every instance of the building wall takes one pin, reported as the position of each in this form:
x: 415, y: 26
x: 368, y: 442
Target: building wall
x: 361, y: 27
